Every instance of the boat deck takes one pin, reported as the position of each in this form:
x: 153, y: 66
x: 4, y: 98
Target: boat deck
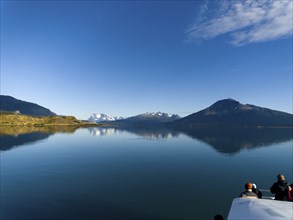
x: 260, y: 209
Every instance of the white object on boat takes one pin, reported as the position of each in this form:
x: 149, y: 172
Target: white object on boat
x: 260, y: 209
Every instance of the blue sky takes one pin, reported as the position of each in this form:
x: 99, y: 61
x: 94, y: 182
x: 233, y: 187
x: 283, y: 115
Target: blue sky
x: 125, y: 58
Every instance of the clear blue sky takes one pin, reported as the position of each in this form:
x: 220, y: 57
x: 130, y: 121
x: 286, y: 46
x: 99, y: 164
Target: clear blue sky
x: 125, y: 58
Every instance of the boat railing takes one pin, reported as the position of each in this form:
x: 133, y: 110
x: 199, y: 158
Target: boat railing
x: 267, y: 194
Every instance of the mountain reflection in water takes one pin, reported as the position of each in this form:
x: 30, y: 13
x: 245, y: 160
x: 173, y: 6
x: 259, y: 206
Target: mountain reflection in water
x: 102, y: 131
x: 13, y: 136
x: 230, y: 140
x: 227, y: 140
x: 10, y: 141
x: 145, y: 132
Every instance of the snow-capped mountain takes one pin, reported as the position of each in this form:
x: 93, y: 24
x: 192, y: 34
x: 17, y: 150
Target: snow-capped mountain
x: 155, y: 116
x: 103, y: 117
x: 146, y: 119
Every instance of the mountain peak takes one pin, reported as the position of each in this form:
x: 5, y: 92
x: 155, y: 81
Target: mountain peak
x: 225, y: 103
x: 11, y: 104
x: 231, y: 112
x: 160, y: 114
x: 222, y: 106
x: 98, y: 117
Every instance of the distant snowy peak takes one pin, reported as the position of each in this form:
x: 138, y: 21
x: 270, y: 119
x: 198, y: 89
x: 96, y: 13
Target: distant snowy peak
x: 160, y: 114
x: 103, y: 117
x: 155, y: 116
x: 158, y: 117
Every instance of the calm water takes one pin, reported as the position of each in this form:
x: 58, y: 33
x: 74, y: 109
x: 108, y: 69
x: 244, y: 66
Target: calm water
x: 102, y: 174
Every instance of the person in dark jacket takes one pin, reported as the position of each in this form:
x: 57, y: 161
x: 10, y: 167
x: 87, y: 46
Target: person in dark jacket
x: 280, y: 188
x: 248, y: 191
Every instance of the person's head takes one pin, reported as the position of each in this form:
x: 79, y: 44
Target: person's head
x: 248, y: 185
x: 280, y: 177
x: 218, y: 217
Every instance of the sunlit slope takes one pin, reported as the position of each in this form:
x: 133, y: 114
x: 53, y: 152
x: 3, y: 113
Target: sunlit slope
x: 18, y: 119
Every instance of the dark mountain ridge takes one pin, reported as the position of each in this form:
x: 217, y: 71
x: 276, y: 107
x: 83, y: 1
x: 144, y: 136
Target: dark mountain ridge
x: 231, y: 112
x: 10, y: 104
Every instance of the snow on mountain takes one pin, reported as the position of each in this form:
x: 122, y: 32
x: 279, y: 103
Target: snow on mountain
x: 157, y: 117
x: 159, y: 114
x: 103, y: 117
x: 154, y: 116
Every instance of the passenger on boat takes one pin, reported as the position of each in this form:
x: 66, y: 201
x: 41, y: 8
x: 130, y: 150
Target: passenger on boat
x: 248, y: 191
x: 256, y: 191
x: 280, y: 188
x: 290, y: 192
x: 218, y: 217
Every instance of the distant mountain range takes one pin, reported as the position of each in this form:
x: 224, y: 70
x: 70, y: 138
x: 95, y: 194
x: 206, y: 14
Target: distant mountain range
x: 227, y: 112
x: 154, y: 116
x: 228, y: 140
x: 233, y: 113
x: 103, y: 117
x: 10, y: 104
x: 147, y: 119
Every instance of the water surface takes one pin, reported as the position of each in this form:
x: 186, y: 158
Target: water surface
x: 99, y: 173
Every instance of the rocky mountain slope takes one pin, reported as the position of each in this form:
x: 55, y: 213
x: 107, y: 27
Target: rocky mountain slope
x: 11, y: 104
x: 231, y: 112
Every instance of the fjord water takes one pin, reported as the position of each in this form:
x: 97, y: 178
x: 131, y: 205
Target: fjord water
x: 100, y: 173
